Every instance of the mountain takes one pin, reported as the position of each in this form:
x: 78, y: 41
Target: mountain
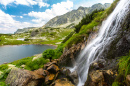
x: 24, y: 30
x: 74, y: 17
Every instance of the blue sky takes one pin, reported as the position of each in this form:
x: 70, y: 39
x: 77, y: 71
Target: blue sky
x: 18, y: 14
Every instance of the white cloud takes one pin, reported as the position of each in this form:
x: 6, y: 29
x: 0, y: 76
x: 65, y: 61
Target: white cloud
x: 25, y: 2
x: 88, y: 3
x: 21, y: 17
x: 56, y: 10
x: 9, y: 25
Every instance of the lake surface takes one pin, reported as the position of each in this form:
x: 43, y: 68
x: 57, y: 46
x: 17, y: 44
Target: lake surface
x: 15, y: 52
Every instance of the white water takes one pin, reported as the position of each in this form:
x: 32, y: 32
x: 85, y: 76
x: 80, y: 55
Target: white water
x: 106, y: 34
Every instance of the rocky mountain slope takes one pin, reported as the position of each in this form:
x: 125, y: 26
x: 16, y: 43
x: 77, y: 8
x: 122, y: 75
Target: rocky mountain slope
x: 74, y: 17
x: 24, y: 30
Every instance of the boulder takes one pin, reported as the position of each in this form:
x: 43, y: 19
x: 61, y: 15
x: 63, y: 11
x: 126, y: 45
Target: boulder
x: 74, y: 77
x: 21, y: 77
x: 49, y: 64
x: 39, y: 71
x: 62, y: 82
x: 53, y: 69
x: 49, y: 78
x: 45, y: 73
x: 101, y: 78
x: 128, y: 80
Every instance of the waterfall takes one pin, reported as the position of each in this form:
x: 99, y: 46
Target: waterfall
x: 107, y: 33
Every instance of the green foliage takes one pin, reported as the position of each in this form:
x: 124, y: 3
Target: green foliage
x: 115, y: 84
x: 26, y: 39
x: 123, y: 70
x: 3, y: 67
x: 36, y: 64
x: 4, y: 75
x: 75, y: 39
x: 58, y: 52
x: 49, y: 53
x: 87, y: 19
x: 2, y: 84
x: 23, y: 61
x: 69, y: 36
x: 124, y: 65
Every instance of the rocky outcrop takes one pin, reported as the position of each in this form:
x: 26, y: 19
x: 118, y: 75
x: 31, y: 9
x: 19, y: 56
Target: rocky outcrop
x: 62, y: 82
x: 69, y: 56
x: 21, y: 77
x: 101, y: 78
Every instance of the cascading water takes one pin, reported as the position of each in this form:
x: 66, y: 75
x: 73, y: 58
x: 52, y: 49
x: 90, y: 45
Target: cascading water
x: 106, y: 34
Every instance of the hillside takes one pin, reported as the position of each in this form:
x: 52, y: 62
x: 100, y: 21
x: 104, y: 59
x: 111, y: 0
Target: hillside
x: 74, y: 17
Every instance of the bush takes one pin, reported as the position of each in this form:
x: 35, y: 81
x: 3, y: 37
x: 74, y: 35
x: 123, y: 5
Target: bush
x: 36, y: 64
x: 58, y: 52
x: 3, y: 67
x: 4, y: 75
x: 49, y: 53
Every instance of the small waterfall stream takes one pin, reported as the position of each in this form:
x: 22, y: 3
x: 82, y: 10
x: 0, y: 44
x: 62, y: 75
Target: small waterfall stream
x: 106, y: 34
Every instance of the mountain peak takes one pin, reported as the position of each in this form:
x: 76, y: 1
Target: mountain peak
x: 73, y: 17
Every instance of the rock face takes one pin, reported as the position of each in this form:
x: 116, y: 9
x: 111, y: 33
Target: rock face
x: 100, y: 78
x: 69, y: 56
x: 62, y: 82
x: 73, y: 17
x: 21, y: 77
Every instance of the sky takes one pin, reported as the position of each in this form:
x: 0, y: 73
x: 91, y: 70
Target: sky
x: 18, y: 14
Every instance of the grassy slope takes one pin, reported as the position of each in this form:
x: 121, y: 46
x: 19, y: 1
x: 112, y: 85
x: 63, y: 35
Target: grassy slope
x: 54, y: 36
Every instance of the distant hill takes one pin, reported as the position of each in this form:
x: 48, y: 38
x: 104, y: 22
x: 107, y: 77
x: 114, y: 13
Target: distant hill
x: 23, y: 30
x: 74, y: 17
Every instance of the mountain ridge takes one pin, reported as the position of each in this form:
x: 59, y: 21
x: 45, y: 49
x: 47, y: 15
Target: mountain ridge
x: 74, y: 17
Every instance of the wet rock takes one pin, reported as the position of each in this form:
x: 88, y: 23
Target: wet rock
x: 21, y: 77
x: 74, y: 77
x: 39, y: 71
x: 62, y: 82
x: 128, y: 80
x: 68, y: 58
x: 50, y: 63
x: 53, y: 69
x: 49, y: 78
x: 101, y: 78
x: 45, y: 73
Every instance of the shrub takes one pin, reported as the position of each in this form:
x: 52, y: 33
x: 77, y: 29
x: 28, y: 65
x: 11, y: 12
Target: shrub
x: 36, y: 64
x: 58, y: 52
x: 3, y: 67
x: 4, y: 75
x: 49, y: 53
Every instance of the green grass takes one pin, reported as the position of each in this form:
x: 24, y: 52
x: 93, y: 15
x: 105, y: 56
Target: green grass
x: 116, y: 84
x: 123, y: 70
